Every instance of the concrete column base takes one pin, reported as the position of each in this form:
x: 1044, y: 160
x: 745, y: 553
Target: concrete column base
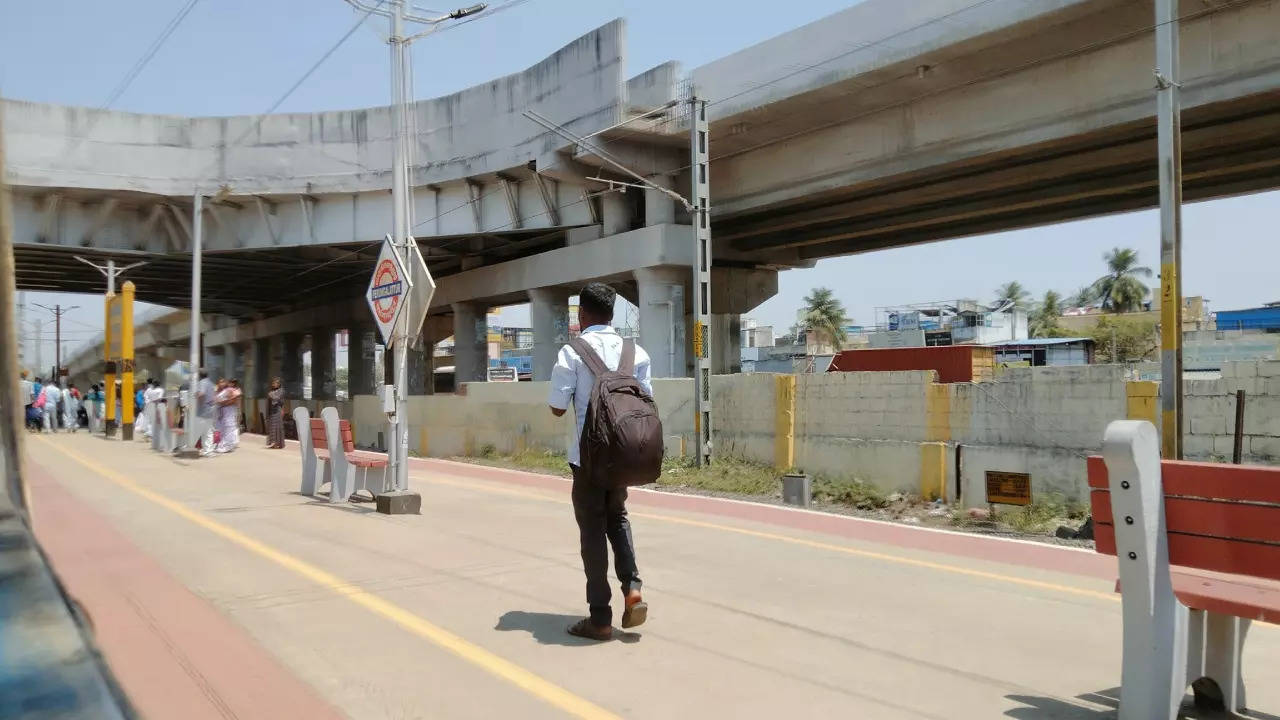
x: 662, y: 311
x: 399, y: 502
x: 549, y: 316
x: 470, y: 343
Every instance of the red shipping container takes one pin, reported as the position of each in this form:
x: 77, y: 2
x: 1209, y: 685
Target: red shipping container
x: 954, y: 363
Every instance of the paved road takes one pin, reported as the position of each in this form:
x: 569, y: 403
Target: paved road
x: 215, y: 587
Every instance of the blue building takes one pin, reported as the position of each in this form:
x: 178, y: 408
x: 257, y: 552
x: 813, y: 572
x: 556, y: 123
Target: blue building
x: 1264, y: 319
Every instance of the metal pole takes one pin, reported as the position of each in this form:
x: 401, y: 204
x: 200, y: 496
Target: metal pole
x: 111, y: 276
x: 700, y: 215
x: 197, y: 232
x: 1169, y: 131
x: 57, y: 345
x: 1237, y: 450
x: 399, y: 450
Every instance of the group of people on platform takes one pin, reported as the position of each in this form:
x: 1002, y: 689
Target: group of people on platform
x: 217, y: 410
x: 50, y: 407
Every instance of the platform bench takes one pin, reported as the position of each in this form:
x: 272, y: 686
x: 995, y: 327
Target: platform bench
x: 1198, y: 550
x: 318, y: 437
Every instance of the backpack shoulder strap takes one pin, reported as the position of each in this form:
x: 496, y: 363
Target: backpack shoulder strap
x: 627, y: 365
x: 588, y: 356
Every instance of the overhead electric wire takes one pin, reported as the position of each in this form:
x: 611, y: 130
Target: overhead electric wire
x: 150, y: 53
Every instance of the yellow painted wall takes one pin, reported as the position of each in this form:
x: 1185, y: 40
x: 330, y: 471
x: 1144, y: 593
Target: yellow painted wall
x: 1143, y: 401
x: 784, y: 434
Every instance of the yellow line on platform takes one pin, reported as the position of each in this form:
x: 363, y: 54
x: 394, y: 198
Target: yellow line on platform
x: 474, y: 654
x: 845, y: 549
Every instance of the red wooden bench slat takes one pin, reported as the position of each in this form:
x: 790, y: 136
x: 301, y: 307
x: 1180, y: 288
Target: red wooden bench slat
x: 1096, y: 467
x: 1221, y: 555
x: 1256, y: 600
x: 1230, y: 520
x: 1104, y: 538
x: 1227, y: 556
x: 1248, y: 483
x: 1100, y: 506
x: 318, y: 439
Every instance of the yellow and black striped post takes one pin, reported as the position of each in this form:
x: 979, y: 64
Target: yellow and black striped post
x: 109, y: 339
x: 126, y: 361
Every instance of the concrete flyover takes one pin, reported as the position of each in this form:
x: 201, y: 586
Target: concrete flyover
x: 885, y: 124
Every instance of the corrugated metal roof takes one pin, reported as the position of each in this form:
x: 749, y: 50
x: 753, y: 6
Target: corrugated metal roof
x: 1039, y: 341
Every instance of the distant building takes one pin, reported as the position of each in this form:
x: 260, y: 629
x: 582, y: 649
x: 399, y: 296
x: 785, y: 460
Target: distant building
x: 1259, y: 319
x: 1195, y: 316
x: 963, y: 322
x: 1040, y: 352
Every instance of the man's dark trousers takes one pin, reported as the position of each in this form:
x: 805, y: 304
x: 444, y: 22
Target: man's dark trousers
x: 601, y: 515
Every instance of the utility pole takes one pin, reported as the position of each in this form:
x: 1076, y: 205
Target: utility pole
x: 700, y: 156
x: 697, y: 204
x: 21, y: 324
x: 110, y: 271
x: 402, y: 210
x: 58, y: 311
x: 1169, y: 136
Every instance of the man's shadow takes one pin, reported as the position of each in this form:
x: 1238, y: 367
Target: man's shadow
x: 553, y: 628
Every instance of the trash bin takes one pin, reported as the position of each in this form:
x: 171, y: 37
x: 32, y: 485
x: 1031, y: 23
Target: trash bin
x: 797, y: 489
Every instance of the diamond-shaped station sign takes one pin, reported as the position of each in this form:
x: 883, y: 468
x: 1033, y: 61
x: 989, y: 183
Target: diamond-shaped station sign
x: 388, y: 289
x: 423, y: 288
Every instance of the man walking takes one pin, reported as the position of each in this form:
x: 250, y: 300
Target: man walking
x: 601, y: 511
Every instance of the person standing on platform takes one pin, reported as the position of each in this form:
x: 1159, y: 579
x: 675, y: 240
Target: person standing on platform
x: 95, y: 402
x: 275, y: 415
x: 206, y: 403
x: 142, y: 421
x: 71, y: 408
x: 52, y: 396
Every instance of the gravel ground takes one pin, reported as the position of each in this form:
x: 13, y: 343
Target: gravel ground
x: 902, y: 511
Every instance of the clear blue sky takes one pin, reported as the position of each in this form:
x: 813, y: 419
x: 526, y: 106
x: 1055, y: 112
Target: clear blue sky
x: 238, y: 56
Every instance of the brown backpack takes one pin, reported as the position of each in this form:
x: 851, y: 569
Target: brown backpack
x: 621, y: 441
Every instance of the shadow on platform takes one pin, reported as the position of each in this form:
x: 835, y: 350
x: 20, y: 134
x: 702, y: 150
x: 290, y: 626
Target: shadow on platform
x: 553, y: 628
x: 1048, y: 708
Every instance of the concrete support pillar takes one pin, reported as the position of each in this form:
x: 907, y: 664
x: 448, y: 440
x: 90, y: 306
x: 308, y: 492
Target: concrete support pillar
x: 419, y: 370
x: 661, y: 292
x: 215, y: 360
x: 258, y: 379
x: 549, y: 316
x: 290, y: 353
x: 726, y: 343
x: 615, y: 213
x: 471, y: 342
x: 659, y: 208
x: 323, y: 364
x: 361, y: 375
x: 236, y: 361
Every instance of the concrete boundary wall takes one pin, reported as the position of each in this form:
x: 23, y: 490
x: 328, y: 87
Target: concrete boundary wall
x: 901, y: 431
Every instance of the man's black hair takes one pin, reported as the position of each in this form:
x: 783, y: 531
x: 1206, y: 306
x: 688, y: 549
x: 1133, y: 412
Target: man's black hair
x: 597, y: 299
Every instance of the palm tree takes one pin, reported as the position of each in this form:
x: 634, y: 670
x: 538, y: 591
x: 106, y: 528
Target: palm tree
x: 1044, y: 320
x: 825, y: 314
x: 1120, y: 290
x: 1015, y: 293
x: 1084, y: 297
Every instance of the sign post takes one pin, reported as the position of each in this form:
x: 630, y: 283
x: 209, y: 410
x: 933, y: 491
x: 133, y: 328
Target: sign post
x: 111, y: 336
x: 399, y: 296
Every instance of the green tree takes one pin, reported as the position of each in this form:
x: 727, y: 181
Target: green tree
x: 1084, y: 297
x: 1120, y: 290
x: 823, y: 313
x: 1015, y: 293
x: 1122, y: 340
x: 1044, y: 319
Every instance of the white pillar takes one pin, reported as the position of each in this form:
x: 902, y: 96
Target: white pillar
x: 615, y: 214
x: 549, y: 316
x: 470, y: 342
x: 726, y: 343
x: 662, y: 318
x: 659, y: 208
